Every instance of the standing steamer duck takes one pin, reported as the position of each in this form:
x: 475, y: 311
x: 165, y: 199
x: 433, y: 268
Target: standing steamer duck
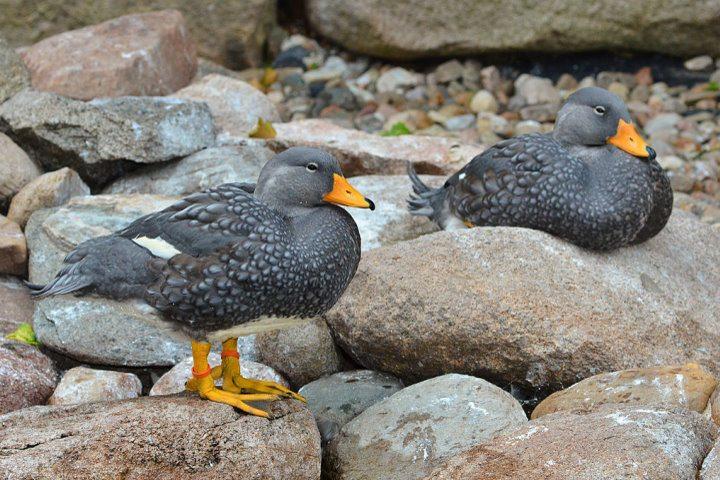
x: 230, y: 255
x: 593, y: 181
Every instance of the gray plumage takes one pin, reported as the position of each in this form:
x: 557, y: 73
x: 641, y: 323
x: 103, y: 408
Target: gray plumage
x: 277, y: 249
x: 570, y: 183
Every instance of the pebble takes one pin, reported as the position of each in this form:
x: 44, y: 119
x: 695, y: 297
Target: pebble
x: 484, y: 101
x: 459, y: 122
x: 395, y: 79
x: 697, y: 64
x: 527, y: 126
x: 449, y: 71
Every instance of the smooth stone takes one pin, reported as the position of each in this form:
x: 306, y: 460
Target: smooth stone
x: 18, y: 170
x: 301, y: 353
x: 408, y: 434
x: 27, y: 377
x: 17, y: 304
x: 51, y: 189
x: 174, y: 380
x: 449, y: 71
x: 460, y: 122
x: 472, y: 302
x: 235, y: 105
x: 13, y: 248
x: 687, y: 386
x: 160, y: 437
x: 483, y: 101
x: 613, y: 442
x: 662, y: 122
x: 139, y: 54
x: 362, y: 153
x: 406, y: 30
x: 395, y: 79
x: 336, y: 399
x: 87, y: 385
x: 13, y: 72
x: 536, y: 90
x: 204, y: 169
x: 703, y: 62
x: 98, y: 138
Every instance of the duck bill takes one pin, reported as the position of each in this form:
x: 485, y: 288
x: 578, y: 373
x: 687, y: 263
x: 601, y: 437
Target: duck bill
x: 345, y: 194
x: 629, y: 140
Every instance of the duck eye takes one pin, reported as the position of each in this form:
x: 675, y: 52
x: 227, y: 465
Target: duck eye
x: 312, y: 167
x: 600, y: 110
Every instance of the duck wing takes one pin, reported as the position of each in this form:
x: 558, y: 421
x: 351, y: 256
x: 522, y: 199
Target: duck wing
x: 504, y: 184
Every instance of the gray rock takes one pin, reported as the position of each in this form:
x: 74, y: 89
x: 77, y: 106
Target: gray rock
x: 473, y: 302
x: 536, y: 90
x: 408, y: 434
x: 27, y: 377
x: 662, y: 122
x: 711, y: 465
x: 199, y: 171
x: 391, y: 221
x: 13, y: 73
x: 449, y: 71
x: 17, y: 304
x: 86, y: 385
x: 174, y: 380
x: 406, y: 30
x: 98, y: 138
x: 160, y: 437
x: 301, y: 353
x: 395, y: 79
x: 615, y: 442
x: 460, y: 122
x: 336, y: 399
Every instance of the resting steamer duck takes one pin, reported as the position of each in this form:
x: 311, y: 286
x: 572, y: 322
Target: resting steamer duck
x: 230, y: 255
x: 593, y: 181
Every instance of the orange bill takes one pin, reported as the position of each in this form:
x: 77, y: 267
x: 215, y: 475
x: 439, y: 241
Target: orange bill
x: 629, y: 140
x: 345, y: 194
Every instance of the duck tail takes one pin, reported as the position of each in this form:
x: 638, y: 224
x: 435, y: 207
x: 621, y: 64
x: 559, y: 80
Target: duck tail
x: 426, y: 201
x: 70, y: 279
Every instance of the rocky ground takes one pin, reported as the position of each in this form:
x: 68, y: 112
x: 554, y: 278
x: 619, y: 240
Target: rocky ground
x: 444, y: 342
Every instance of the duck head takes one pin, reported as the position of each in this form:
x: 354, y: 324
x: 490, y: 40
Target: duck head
x: 303, y: 177
x: 593, y: 116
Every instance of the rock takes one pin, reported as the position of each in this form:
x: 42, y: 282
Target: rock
x: 13, y: 248
x: 13, y: 73
x: 333, y: 68
x: 51, y: 189
x: 711, y: 466
x: 407, y: 30
x: 201, y: 170
x: 606, y: 79
x: 715, y: 406
x: 26, y: 375
x: 301, y: 353
x: 566, y: 82
x: 236, y: 106
x: 687, y: 386
x: 160, y: 437
x: 18, y: 170
x: 361, y: 153
x: 614, y: 442
x: 449, y: 71
x: 395, y: 79
x: 232, y: 33
x: 408, y: 434
x: 620, y: 90
x: 140, y: 54
x: 703, y: 62
x: 336, y: 399
x: 86, y: 385
x: 527, y: 126
x: 468, y: 305
x: 94, y: 138
x: 483, y: 101
x: 17, y: 305
x: 662, y: 122
x: 460, y: 122
x: 391, y: 221
x: 536, y: 90
x: 174, y: 380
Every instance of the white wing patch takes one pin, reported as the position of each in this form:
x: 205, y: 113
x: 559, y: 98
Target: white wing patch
x: 157, y: 246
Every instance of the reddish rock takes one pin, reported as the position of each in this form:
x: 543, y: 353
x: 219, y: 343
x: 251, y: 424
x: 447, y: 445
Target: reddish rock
x: 13, y: 248
x: 27, y: 377
x: 16, y: 167
x: 362, y: 153
x: 141, y: 54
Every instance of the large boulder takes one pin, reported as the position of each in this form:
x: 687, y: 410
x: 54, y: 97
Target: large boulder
x: 236, y: 106
x: 27, y: 377
x: 233, y: 32
x: 425, y: 28
x: 160, y: 437
x: 100, y: 138
x: 362, y: 153
x: 687, y: 386
x: 533, y: 311
x: 142, y: 54
x: 204, y: 169
x: 408, y: 434
x: 13, y: 73
x: 18, y: 170
x: 615, y: 442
